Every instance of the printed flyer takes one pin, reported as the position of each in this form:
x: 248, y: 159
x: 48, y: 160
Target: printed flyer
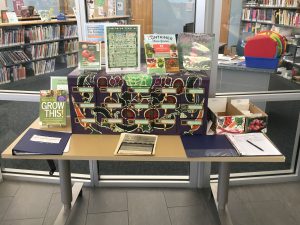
x: 53, y: 107
x: 161, y: 53
x: 195, y: 51
x: 122, y: 48
x: 89, y: 55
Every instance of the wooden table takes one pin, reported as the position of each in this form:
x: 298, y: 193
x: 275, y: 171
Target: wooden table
x: 102, y: 147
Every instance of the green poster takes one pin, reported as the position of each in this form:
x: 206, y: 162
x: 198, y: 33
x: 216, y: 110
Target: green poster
x: 122, y: 48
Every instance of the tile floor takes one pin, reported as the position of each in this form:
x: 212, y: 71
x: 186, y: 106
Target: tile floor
x: 23, y: 203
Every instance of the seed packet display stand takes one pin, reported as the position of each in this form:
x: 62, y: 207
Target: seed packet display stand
x: 169, y: 148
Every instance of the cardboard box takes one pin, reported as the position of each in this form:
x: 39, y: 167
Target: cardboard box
x: 256, y: 119
x: 225, y: 117
x: 236, y: 116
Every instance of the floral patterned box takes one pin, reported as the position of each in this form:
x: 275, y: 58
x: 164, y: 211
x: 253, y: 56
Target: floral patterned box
x: 225, y: 118
x: 256, y: 119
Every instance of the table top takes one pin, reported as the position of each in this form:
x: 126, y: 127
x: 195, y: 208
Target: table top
x: 102, y: 147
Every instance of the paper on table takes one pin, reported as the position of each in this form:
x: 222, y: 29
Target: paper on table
x: 136, y: 144
x: 242, y: 145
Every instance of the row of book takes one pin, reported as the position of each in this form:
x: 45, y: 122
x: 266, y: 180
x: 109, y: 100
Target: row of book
x: 72, y: 60
x: 69, y: 31
x: 11, y: 37
x: 255, y: 27
x: 278, y: 16
x: 43, y: 66
x: 8, y: 74
x: 273, y: 3
x: 44, y: 50
x: 70, y: 46
x: 42, y: 33
x: 8, y: 58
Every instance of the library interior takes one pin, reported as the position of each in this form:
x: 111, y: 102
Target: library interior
x: 158, y: 112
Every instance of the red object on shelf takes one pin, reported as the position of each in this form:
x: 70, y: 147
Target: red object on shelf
x: 261, y: 46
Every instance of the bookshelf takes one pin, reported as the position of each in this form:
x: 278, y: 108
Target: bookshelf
x: 30, y: 48
x: 264, y: 14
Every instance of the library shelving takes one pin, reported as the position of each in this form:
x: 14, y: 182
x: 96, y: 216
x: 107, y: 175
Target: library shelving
x: 263, y: 14
x: 36, y: 47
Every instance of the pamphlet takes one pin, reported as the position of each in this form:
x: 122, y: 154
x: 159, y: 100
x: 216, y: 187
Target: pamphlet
x: 195, y: 51
x: 60, y: 83
x: 136, y: 144
x: 89, y: 55
x: 122, y: 48
x: 253, y: 144
x: 161, y: 53
x: 53, y: 107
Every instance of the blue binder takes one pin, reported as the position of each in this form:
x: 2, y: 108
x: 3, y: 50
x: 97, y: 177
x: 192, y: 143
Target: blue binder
x: 41, y: 142
x: 208, y: 146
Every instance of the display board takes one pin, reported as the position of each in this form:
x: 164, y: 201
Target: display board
x: 138, y: 103
x: 122, y: 48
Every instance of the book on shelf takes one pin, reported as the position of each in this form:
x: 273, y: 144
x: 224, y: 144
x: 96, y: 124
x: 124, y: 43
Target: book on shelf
x: 70, y: 46
x: 4, y: 17
x: 161, y: 53
x: 42, y: 33
x: 18, y: 6
x: 69, y: 31
x: 44, y: 50
x: 11, y: 36
x: 253, y: 144
x: 120, y: 7
x: 89, y: 55
x: 42, y: 142
x: 43, y: 66
x: 12, y: 17
x: 53, y: 105
x: 14, y: 73
x: 9, y: 58
x: 71, y: 60
x: 136, y: 144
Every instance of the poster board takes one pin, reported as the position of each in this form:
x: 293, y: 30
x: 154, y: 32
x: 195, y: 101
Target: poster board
x: 122, y: 48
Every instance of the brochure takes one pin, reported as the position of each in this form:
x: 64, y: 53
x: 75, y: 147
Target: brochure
x: 60, y: 83
x: 136, y: 144
x: 195, y: 51
x: 122, y: 48
x: 53, y: 107
x: 161, y: 53
x: 89, y: 55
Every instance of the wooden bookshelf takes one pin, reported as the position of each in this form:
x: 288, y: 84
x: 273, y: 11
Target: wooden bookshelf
x: 272, y: 7
x: 37, y: 22
x: 286, y: 16
x: 270, y: 23
x: 126, y: 17
x: 24, y: 45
